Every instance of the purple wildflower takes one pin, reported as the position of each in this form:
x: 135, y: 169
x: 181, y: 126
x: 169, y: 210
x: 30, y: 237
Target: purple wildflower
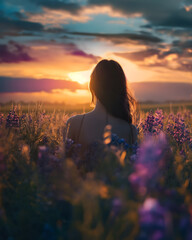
x: 153, y: 219
x: 12, y: 120
x: 149, y: 163
x: 177, y: 129
x: 148, y: 124
x: 153, y: 124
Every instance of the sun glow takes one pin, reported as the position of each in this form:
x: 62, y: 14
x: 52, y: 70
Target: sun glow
x: 80, y: 77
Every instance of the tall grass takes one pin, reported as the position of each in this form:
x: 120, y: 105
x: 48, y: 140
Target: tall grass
x: 114, y: 191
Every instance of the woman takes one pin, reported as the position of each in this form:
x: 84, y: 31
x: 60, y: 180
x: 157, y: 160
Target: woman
x: 113, y: 107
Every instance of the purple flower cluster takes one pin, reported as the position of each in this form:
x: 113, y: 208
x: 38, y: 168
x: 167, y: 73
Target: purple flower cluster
x: 158, y: 124
x: 153, y: 124
x: 178, y: 129
x: 149, y: 163
x: 148, y: 124
x: 154, y: 220
x: 12, y: 120
x: 121, y: 143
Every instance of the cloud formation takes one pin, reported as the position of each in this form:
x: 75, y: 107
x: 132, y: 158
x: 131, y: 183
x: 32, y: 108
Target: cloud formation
x: 175, y: 56
x: 13, y: 53
x: 11, y: 26
x: 68, y: 36
x: 11, y: 85
x: 122, y: 37
x: 143, y: 91
x: 158, y: 13
x: 57, y: 4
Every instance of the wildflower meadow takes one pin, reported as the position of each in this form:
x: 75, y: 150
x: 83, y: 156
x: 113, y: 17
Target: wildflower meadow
x: 115, y: 191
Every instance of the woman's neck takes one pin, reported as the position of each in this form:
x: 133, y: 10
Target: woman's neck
x: 99, y: 108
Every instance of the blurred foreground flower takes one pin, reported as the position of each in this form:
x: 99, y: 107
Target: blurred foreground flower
x: 155, y: 221
x: 47, y: 162
x: 149, y: 163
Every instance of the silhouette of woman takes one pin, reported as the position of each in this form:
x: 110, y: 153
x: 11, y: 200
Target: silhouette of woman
x: 113, y: 107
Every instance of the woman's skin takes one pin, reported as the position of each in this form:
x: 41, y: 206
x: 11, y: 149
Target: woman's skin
x: 93, y: 126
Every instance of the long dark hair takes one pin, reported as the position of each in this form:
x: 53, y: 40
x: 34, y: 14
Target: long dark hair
x: 108, y: 83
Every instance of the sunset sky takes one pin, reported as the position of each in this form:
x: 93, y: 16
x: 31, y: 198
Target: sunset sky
x: 48, y: 48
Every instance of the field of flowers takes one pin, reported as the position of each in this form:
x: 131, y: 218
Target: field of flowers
x: 49, y: 191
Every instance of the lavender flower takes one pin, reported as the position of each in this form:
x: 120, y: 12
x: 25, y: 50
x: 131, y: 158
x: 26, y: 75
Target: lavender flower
x: 12, y: 120
x: 149, y: 163
x: 153, y: 123
x: 178, y: 130
x: 153, y: 219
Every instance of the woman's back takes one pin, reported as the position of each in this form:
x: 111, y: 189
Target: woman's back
x: 88, y: 128
x: 114, y: 104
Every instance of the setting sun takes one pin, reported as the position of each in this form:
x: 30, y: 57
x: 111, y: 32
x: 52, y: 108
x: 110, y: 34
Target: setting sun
x: 80, y: 77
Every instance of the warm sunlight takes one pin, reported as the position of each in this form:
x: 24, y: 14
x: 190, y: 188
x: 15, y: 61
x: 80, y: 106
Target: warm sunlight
x: 80, y: 77
x: 133, y: 72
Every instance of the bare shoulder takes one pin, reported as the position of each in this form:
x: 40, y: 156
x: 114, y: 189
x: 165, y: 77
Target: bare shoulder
x: 74, y: 120
x: 73, y: 125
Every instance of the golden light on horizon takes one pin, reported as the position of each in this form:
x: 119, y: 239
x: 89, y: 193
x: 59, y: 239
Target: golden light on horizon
x: 81, y: 77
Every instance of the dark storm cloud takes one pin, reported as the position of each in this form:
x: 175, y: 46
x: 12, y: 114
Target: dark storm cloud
x: 10, y: 85
x: 15, y: 26
x: 122, y: 37
x: 183, y: 44
x: 180, y: 18
x: 159, y: 12
x: 13, y: 53
x: 57, y: 4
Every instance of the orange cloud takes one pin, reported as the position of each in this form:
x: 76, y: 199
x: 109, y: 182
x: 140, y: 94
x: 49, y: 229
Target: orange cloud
x: 53, y: 61
x: 58, y: 17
